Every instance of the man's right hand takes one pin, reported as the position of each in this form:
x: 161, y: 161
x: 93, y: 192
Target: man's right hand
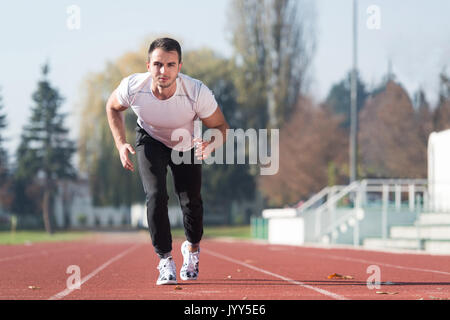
x: 123, y: 151
x: 116, y: 123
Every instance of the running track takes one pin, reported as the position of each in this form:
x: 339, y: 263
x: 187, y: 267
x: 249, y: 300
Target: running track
x: 123, y: 266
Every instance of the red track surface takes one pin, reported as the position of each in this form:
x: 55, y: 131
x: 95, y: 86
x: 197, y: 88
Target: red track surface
x: 123, y: 266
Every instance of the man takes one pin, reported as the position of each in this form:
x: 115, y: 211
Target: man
x: 164, y: 101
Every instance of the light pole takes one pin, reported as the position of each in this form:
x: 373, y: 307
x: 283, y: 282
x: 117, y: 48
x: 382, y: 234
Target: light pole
x: 353, y: 101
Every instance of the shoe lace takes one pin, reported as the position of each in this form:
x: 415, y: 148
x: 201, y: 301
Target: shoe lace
x: 192, y: 261
x: 166, y: 267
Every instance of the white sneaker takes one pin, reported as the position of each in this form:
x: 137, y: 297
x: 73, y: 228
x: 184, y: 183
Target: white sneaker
x: 189, y: 270
x: 167, y: 271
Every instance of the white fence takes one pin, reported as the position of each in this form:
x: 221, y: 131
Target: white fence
x: 335, y: 210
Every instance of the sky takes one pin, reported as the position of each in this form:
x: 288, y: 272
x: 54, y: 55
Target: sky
x: 413, y: 34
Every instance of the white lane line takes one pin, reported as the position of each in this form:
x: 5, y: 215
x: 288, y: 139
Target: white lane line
x: 380, y: 264
x: 304, y: 285
x: 67, y: 291
x: 42, y: 252
x: 26, y: 255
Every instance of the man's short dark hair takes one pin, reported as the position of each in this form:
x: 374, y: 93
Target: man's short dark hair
x: 167, y: 44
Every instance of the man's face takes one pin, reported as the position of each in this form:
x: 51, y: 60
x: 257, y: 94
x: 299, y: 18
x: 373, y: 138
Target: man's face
x: 164, y: 67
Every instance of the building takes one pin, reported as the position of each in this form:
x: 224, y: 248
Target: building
x: 73, y: 208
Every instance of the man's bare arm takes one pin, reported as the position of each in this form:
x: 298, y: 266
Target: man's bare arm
x: 116, y: 123
x: 215, y: 121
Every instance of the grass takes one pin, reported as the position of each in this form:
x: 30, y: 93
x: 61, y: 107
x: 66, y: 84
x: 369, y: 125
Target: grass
x: 22, y: 237
x: 239, y: 232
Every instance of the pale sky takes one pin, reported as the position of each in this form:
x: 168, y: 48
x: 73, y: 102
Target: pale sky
x: 414, y: 34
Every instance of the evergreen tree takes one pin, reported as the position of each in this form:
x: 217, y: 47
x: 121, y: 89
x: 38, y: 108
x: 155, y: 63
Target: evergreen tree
x: 4, y: 179
x: 45, y: 152
x: 338, y: 99
x: 424, y: 119
x: 3, y: 153
x: 441, y: 116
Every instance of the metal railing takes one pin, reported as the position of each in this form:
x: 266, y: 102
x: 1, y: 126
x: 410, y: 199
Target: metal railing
x: 354, y: 198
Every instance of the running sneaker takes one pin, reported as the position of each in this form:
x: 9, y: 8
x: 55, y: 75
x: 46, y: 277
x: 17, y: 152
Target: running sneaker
x: 189, y: 270
x: 167, y: 271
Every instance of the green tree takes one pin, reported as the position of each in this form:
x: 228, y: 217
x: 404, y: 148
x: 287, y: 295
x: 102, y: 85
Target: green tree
x: 99, y: 159
x: 45, y: 151
x: 3, y: 153
x: 5, y: 195
x: 338, y: 99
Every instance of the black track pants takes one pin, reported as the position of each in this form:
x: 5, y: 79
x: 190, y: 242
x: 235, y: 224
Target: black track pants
x: 153, y: 158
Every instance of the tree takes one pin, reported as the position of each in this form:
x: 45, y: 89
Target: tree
x: 311, y: 143
x: 424, y: 122
x: 5, y: 196
x: 98, y: 156
x: 45, y: 151
x: 273, y: 42
x: 441, y: 116
x: 338, y: 99
x: 110, y: 184
x: 389, y: 138
x: 3, y: 153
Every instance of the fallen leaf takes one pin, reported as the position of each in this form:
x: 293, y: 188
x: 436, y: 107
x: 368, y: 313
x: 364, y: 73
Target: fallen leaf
x: 178, y: 288
x: 244, y: 298
x: 238, y: 270
x: 229, y: 277
x: 384, y: 292
x: 339, y: 276
x: 33, y: 287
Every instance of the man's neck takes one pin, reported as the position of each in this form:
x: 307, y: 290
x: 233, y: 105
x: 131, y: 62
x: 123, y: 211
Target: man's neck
x: 164, y: 93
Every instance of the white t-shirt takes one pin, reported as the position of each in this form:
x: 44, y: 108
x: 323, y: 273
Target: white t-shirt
x: 160, y: 118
